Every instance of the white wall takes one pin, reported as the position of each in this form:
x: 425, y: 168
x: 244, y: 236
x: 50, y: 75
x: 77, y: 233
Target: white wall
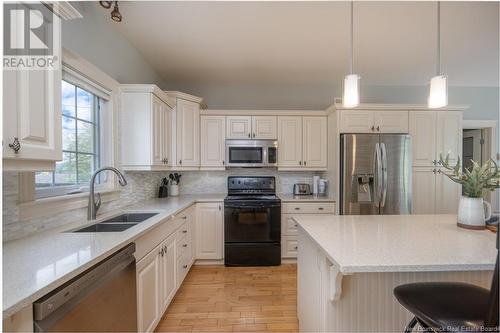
x: 96, y: 39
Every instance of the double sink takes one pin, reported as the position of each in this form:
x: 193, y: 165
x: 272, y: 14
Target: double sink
x: 117, y: 223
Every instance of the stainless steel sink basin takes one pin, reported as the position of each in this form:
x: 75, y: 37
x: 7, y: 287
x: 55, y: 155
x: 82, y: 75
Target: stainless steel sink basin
x: 130, y: 218
x: 117, y: 223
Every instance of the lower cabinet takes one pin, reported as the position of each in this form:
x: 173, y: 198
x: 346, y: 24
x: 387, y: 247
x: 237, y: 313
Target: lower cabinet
x: 289, y: 242
x: 148, y: 291
x: 168, y: 283
x: 209, y: 231
x: 433, y: 192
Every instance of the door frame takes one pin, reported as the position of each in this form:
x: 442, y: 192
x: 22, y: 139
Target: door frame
x: 491, y: 130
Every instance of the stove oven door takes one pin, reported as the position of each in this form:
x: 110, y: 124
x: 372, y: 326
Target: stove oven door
x: 252, y: 222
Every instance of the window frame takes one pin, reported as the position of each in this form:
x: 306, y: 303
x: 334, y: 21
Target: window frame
x: 32, y: 207
x: 54, y: 189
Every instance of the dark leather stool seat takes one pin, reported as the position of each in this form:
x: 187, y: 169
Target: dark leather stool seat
x: 445, y: 304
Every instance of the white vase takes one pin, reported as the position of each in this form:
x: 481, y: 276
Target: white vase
x: 472, y: 212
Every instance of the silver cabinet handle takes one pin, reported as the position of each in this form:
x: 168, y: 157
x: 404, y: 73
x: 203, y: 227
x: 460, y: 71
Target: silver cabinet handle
x: 297, y: 208
x: 249, y: 135
x: 378, y: 128
x: 373, y: 128
x: 434, y: 162
x: 180, y: 162
x: 15, y: 145
x: 295, y: 247
x: 166, y: 249
x: 161, y: 252
x: 184, y: 231
x: 185, y: 266
x: 254, y: 135
x: 300, y: 162
x: 184, y: 245
x: 223, y: 162
x: 320, y: 208
x: 305, y: 162
x: 434, y: 171
x: 166, y: 160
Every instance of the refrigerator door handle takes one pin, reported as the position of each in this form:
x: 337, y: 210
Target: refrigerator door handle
x: 378, y: 175
x: 384, y: 174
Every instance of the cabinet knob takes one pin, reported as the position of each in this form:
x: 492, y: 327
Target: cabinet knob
x: 249, y: 135
x: 184, y: 231
x: 15, y: 145
x: 373, y: 128
x: 254, y: 135
x: 378, y: 128
x: 297, y: 208
x: 180, y: 162
x: 320, y: 208
x: 223, y: 162
x: 295, y: 225
x: 166, y: 161
x: 295, y: 247
x: 434, y: 171
x: 300, y: 162
x: 184, y: 217
x: 185, y: 266
x: 305, y: 162
x: 184, y: 245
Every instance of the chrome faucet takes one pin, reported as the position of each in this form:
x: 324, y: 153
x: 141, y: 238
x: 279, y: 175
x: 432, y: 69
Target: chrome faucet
x: 93, y: 204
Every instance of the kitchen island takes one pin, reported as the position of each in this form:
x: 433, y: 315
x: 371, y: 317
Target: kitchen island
x: 348, y: 266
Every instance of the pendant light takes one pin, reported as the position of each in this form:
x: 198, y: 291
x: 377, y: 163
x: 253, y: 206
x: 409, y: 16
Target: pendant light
x: 438, y: 89
x: 350, y: 95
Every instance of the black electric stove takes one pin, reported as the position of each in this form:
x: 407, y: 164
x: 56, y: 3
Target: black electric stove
x: 252, y: 222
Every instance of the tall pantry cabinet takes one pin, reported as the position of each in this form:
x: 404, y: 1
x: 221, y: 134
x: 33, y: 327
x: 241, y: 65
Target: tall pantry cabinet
x: 434, y: 133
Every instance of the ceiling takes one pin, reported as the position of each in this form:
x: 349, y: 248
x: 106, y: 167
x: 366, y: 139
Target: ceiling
x: 306, y: 43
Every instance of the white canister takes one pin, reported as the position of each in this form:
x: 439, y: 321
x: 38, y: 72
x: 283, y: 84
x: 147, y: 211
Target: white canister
x: 473, y: 212
x: 315, y: 184
x: 174, y: 190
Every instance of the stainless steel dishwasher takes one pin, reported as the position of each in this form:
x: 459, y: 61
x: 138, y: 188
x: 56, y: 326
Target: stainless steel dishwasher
x: 101, y: 299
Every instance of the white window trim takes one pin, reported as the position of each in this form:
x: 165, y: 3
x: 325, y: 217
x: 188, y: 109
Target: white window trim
x: 29, y: 206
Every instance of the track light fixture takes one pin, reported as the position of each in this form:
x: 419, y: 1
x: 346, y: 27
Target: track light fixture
x: 115, y: 13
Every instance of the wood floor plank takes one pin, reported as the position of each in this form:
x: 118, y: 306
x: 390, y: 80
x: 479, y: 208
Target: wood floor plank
x: 234, y: 299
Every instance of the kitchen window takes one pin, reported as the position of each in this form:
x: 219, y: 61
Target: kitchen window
x: 80, y: 141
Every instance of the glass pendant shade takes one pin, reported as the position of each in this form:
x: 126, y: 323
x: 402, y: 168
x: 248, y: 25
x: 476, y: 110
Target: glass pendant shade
x: 438, y: 93
x: 350, y: 96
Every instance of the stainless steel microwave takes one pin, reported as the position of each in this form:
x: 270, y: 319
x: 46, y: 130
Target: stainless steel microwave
x: 251, y: 153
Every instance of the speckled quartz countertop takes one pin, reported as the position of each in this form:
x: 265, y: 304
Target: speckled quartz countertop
x: 287, y: 197
x: 400, y: 243
x: 35, y: 265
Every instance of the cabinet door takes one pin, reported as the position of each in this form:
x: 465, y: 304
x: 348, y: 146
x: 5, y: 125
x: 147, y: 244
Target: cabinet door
x: 148, y: 291
x: 213, y: 141
x: 32, y: 108
x: 424, y: 191
x: 423, y: 137
x: 168, y: 270
x: 391, y: 121
x: 167, y: 135
x: 315, y: 142
x: 188, y: 133
x: 290, y: 142
x: 239, y: 127
x: 264, y: 127
x: 209, y: 231
x: 449, y: 134
x: 356, y: 121
x: 157, y: 127
x: 447, y: 194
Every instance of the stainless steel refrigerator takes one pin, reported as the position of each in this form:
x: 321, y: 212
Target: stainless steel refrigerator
x: 375, y: 174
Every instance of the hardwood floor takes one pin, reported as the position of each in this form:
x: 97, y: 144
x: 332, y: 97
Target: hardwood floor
x: 234, y: 299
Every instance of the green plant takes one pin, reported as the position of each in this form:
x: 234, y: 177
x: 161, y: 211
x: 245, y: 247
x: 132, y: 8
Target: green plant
x: 474, y: 180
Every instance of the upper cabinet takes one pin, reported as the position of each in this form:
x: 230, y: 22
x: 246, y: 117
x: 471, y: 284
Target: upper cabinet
x: 146, y: 128
x: 32, y: 131
x: 434, y: 133
x: 213, y: 142
x: 369, y: 121
x: 186, y: 147
x: 302, y: 143
x: 251, y: 127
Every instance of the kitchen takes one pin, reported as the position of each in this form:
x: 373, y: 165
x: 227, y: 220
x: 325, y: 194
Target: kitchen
x: 218, y: 158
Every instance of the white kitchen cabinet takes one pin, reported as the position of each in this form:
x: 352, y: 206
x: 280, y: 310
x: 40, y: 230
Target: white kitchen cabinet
x: 32, y: 112
x: 188, y: 133
x: 213, y: 141
x: 290, y: 142
x: 370, y: 121
x: 423, y: 137
x: 264, y: 127
x: 146, y: 139
x: 314, y: 142
x: 148, y: 291
x: 209, y: 231
x: 424, y: 190
x: 251, y: 127
x: 449, y: 134
x: 168, y: 272
x: 447, y: 194
x: 239, y: 127
x: 302, y: 143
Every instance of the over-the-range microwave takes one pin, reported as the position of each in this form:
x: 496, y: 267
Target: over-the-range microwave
x: 251, y: 153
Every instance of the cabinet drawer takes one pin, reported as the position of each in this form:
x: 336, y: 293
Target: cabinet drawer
x: 185, y: 230
x: 289, y: 246
x: 184, y: 247
x: 308, y: 208
x: 288, y: 225
x: 183, y: 266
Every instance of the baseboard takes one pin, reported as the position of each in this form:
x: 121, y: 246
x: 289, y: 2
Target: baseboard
x: 202, y: 262
x: 288, y: 260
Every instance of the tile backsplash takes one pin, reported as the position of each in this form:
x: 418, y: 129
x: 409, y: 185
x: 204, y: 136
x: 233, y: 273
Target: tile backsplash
x: 141, y: 186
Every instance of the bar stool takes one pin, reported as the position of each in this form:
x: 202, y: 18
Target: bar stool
x: 450, y: 306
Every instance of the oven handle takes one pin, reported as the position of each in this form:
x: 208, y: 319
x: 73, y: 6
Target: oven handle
x: 251, y: 206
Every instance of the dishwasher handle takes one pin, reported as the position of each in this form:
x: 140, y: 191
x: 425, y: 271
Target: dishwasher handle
x: 83, y: 283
